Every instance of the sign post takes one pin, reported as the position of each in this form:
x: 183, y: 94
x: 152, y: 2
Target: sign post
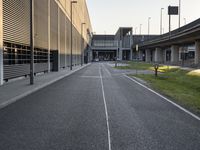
x: 172, y: 10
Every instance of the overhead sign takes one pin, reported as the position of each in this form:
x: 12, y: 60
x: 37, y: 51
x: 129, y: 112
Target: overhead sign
x: 173, y: 10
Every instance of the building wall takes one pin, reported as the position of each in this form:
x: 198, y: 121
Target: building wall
x: 52, y: 28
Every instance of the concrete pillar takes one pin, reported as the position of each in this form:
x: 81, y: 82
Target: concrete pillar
x: 140, y: 54
x: 174, y: 54
x: 120, y: 50
x: 197, y: 52
x: 153, y: 55
x: 120, y: 54
x: 164, y: 56
x: 1, y: 42
x: 147, y: 55
x: 131, y: 43
x: 159, y: 55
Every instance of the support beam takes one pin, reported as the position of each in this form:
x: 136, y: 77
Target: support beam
x: 174, y: 54
x: 197, y: 52
x: 159, y: 55
x: 147, y: 55
x: 1, y: 42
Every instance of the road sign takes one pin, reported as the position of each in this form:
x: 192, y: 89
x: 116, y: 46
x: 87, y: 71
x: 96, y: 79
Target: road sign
x: 173, y: 10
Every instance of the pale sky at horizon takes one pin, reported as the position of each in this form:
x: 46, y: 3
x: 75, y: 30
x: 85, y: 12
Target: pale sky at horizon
x: 108, y: 15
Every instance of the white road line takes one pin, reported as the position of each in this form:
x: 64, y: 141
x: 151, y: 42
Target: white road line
x: 96, y: 77
x: 107, y: 71
x: 178, y: 106
x: 106, y: 110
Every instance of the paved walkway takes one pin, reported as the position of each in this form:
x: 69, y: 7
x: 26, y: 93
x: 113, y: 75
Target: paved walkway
x: 14, y: 90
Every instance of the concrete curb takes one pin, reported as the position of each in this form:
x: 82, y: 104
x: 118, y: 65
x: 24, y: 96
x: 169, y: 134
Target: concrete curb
x: 15, y: 99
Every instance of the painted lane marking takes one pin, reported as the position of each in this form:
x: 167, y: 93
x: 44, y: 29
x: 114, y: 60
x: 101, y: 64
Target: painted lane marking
x: 173, y: 103
x: 108, y: 72
x: 96, y: 77
x: 106, y: 110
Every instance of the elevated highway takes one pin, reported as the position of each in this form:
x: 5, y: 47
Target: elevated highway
x: 169, y: 46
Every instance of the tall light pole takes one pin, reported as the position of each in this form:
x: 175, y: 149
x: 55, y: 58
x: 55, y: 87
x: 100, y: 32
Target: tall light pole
x: 149, y: 25
x: 179, y: 23
x: 161, y: 20
x: 82, y: 43
x: 135, y: 30
x: 185, y: 20
x: 31, y: 42
x: 71, y: 4
x: 140, y: 29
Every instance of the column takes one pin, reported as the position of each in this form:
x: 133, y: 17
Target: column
x: 153, y: 55
x: 120, y: 50
x: 140, y: 54
x: 120, y: 54
x: 131, y: 43
x: 197, y: 52
x: 147, y: 55
x: 1, y: 42
x: 158, y: 55
x: 174, y: 54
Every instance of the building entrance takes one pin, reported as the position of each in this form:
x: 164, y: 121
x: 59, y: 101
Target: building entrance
x: 104, y: 55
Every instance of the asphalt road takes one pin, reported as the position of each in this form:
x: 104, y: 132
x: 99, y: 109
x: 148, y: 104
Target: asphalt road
x: 96, y: 109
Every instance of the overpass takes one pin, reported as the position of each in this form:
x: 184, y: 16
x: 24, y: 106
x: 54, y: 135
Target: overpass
x: 180, y: 46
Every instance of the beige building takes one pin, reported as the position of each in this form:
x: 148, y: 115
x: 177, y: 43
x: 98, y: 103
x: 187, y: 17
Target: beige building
x: 52, y: 35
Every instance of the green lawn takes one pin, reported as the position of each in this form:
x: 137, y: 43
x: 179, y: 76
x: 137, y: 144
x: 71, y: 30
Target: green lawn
x: 178, y: 84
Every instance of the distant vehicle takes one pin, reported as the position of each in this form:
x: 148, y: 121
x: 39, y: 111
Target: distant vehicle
x: 96, y: 59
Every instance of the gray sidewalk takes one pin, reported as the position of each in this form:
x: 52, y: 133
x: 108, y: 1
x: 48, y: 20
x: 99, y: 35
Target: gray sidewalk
x: 12, y: 91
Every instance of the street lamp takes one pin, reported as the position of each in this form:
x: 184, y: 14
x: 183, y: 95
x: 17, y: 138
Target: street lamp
x: 149, y: 25
x: 161, y: 20
x: 185, y: 20
x: 72, y: 2
x: 179, y: 23
x: 140, y: 29
x: 31, y: 43
x: 135, y: 30
x: 82, y: 43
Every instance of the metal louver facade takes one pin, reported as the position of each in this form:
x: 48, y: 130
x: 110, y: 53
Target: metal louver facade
x: 41, y: 23
x: 51, y: 33
x: 16, y: 21
x: 54, y: 25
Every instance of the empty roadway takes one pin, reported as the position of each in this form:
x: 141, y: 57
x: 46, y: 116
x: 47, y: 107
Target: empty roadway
x: 96, y: 109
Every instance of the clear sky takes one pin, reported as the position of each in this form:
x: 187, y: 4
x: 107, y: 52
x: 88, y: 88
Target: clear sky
x: 108, y: 15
